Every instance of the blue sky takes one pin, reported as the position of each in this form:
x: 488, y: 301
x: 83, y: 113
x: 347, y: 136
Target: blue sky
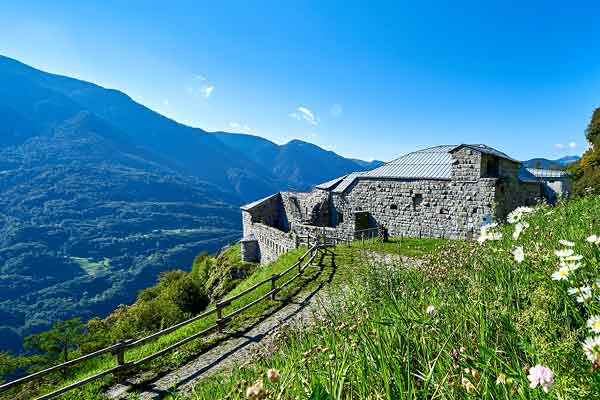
x: 368, y: 81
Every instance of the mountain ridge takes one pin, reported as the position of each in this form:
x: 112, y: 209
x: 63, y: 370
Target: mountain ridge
x: 100, y: 194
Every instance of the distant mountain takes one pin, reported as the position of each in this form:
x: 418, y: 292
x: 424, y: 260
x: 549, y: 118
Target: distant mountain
x: 99, y: 194
x: 297, y: 164
x: 546, y: 163
x: 368, y: 165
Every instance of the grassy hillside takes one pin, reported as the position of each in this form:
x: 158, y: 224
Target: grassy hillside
x: 469, y: 323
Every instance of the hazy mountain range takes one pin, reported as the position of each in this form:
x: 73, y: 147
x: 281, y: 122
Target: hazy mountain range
x: 99, y: 194
x: 546, y: 163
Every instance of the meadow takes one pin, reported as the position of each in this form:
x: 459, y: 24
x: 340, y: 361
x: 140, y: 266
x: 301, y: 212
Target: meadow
x: 514, y: 315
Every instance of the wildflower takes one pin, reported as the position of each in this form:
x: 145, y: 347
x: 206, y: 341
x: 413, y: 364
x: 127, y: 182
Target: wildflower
x: 469, y: 387
x: 518, y: 254
x: 585, y: 294
x: 273, y: 375
x: 519, y: 228
x: 256, y: 391
x: 591, y: 348
x: 566, y: 243
x: 430, y: 310
x: 564, y: 253
x: 594, y: 323
x: 572, y: 266
x: 486, y: 234
x: 501, y: 379
x: 517, y: 214
x: 575, y: 257
x: 594, y: 239
x: 562, y: 274
x: 542, y: 376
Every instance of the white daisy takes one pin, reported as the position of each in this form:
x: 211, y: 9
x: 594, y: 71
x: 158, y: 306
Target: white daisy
x: 562, y: 274
x: 563, y: 253
x: 585, y: 294
x: 591, y: 348
x: 575, y: 257
x: 566, y: 243
x: 518, y: 254
x: 593, y: 239
x: 594, y: 323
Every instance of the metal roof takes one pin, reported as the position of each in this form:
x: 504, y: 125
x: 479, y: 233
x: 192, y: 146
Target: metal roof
x: 329, y: 184
x: 249, y: 206
x: 431, y: 163
x: 526, y: 176
x: 485, y: 149
x: 547, y: 173
x: 347, y: 182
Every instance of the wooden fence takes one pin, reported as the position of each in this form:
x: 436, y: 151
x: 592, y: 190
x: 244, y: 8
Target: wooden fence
x: 119, y: 349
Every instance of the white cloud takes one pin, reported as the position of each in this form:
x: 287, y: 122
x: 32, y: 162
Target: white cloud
x: 561, y: 146
x: 305, y: 114
x: 206, y: 91
x: 166, y: 102
x: 199, y: 77
x: 240, y: 127
x: 336, y: 110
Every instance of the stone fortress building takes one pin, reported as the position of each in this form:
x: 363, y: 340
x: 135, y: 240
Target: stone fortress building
x: 447, y: 191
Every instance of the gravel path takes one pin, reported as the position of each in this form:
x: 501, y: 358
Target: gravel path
x: 240, y: 347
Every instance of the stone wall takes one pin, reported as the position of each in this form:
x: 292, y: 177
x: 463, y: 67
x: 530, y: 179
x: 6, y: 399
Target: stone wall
x: 419, y: 208
x: 467, y: 165
x: 310, y: 207
x: 511, y: 194
x: 272, y: 242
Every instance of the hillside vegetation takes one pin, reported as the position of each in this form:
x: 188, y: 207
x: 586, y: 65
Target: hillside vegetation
x: 514, y: 316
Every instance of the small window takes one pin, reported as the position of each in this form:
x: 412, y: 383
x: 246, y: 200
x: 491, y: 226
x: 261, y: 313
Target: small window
x: 492, y: 167
x: 340, y: 218
x: 417, y: 200
x: 393, y: 206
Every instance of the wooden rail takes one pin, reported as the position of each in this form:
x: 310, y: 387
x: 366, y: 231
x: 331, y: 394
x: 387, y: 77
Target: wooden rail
x: 119, y: 349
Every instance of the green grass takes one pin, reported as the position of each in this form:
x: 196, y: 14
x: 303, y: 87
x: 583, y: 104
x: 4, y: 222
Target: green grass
x: 91, y: 267
x: 494, y: 318
x: 411, y: 247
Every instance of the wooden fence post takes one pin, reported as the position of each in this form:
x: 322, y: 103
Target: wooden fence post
x: 219, y: 316
x: 273, y: 286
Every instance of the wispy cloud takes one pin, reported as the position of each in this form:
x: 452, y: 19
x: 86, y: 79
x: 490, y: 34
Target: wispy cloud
x: 206, y: 91
x: 303, y: 113
x: 570, y: 145
x: 166, y: 102
x: 199, y: 85
x: 240, y: 127
x: 336, y: 110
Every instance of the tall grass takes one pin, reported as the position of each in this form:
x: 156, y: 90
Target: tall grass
x: 493, y: 319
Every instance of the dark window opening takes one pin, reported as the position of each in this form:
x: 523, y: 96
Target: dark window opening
x: 340, y: 218
x: 492, y: 168
x: 417, y: 200
x: 393, y: 206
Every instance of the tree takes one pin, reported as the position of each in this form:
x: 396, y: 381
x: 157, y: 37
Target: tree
x: 56, y: 343
x: 586, y: 171
x: 9, y: 364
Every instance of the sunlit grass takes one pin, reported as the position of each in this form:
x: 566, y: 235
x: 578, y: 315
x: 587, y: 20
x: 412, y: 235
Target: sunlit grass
x: 494, y: 318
